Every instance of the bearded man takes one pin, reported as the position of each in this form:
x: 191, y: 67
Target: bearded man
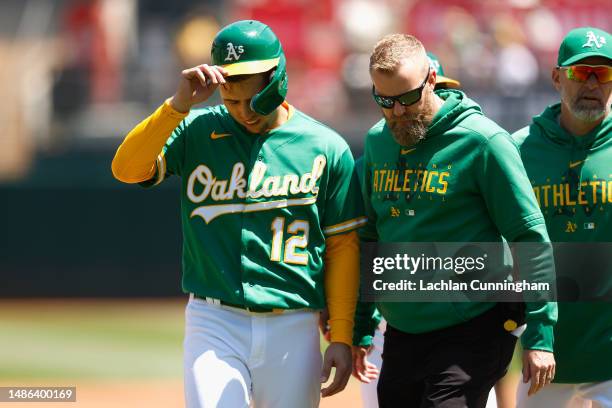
x: 437, y: 170
x: 569, y: 146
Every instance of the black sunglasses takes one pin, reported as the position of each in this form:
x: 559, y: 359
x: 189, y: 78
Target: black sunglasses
x: 406, y: 99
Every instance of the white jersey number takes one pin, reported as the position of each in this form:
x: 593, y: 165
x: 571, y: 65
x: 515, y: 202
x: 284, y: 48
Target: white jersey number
x: 299, y: 240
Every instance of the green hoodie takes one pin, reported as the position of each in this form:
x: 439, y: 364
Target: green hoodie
x: 572, y: 179
x: 463, y: 183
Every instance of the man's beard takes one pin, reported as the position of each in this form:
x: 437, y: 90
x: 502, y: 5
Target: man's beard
x: 409, y: 130
x: 586, y: 110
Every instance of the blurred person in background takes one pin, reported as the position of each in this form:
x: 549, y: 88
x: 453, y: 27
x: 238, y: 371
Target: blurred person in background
x: 569, y: 145
x: 96, y: 37
x: 270, y: 205
x: 82, y: 41
x: 433, y: 355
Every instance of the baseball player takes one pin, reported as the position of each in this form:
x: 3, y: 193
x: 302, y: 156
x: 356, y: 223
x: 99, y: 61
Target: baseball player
x: 365, y: 367
x: 446, y: 354
x: 568, y: 148
x: 269, y: 208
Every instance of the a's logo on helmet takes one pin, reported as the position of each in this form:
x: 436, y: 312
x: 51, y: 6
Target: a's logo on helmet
x: 234, y: 52
x: 282, y: 82
x: 593, y: 40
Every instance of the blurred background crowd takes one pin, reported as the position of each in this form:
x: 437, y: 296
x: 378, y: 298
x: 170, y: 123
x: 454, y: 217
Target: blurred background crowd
x: 77, y: 75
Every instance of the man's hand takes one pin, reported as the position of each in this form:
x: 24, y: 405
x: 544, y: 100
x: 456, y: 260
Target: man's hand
x: 539, y: 366
x: 363, y: 370
x: 196, y: 85
x: 337, y: 355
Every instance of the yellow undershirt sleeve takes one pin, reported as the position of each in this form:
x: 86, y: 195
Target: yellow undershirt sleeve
x: 136, y: 157
x: 342, y: 284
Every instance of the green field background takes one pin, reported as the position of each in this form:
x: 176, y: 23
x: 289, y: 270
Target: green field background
x: 94, y: 339
x: 91, y: 339
x: 119, y: 353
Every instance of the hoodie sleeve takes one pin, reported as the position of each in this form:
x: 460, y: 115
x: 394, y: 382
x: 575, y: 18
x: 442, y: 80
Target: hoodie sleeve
x: 367, y: 316
x: 512, y: 205
x: 368, y: 232
x: 534, y: 255
x: 367, y: 319
x: 503, y: 183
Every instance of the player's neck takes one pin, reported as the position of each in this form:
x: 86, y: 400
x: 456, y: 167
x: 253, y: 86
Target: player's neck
x: 575, y: 126
x: 279, y: 117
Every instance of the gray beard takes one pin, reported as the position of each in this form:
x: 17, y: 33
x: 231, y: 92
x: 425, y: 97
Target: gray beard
x: 408, y: 134
x: 588, y: 114
x: 585, y: 112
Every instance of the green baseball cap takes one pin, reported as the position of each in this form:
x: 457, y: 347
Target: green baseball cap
x: 440, y: 78
x: 246, y: 47
x: 584, y: 42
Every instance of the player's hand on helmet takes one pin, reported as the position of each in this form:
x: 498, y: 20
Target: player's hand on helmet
x: 363, y: 370
x: 196, y: 85
x: 539, y: 367
x: 337, y: 355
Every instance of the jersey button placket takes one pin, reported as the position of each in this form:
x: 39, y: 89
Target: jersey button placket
x: 247, y: 279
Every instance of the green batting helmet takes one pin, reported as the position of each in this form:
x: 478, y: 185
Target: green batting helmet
x: 250, y: 47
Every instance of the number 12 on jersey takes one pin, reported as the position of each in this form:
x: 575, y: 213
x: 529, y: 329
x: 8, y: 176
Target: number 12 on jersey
x: 299, y: 240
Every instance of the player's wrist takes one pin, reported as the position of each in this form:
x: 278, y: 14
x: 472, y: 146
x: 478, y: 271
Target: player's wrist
x: 341, y: 331
x: 178, y: 105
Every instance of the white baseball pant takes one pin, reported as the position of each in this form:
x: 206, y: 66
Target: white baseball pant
x: 234, y: 358
x: 585, y: 395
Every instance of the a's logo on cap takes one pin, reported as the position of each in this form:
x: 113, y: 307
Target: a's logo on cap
x: 234, y: 52
x: 593, y: 40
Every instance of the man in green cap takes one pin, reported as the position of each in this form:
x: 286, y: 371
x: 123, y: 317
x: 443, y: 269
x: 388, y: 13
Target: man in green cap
x: 437, y: 170
x: 567, y: 152
x: 269, y: 209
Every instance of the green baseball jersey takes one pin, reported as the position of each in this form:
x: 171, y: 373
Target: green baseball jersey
x: 463, y: 183
x: 256, y: 209
x: 572, y: 180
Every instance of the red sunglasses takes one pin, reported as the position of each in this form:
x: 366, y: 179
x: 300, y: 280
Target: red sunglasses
x: 582, y: 73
